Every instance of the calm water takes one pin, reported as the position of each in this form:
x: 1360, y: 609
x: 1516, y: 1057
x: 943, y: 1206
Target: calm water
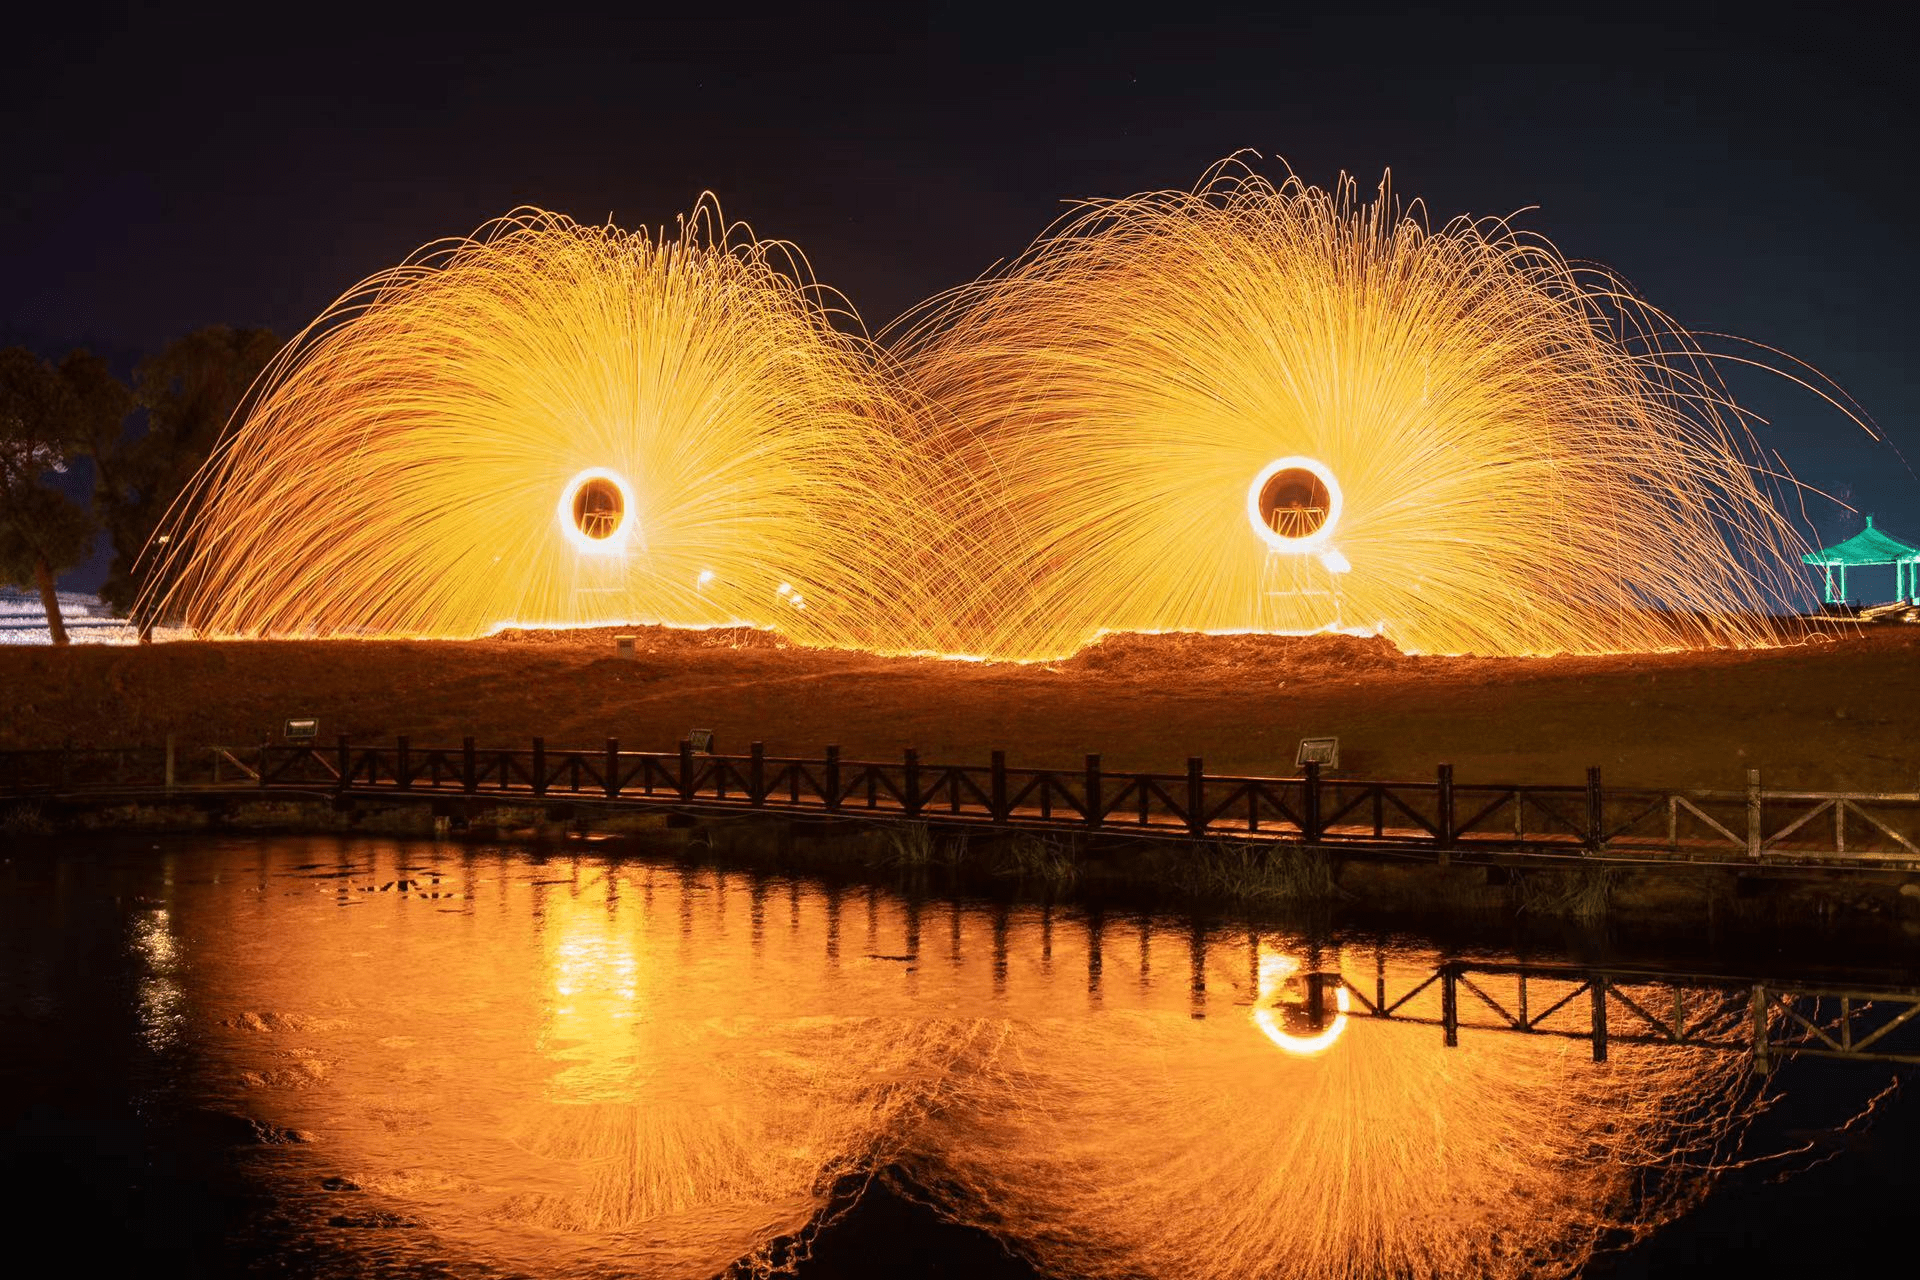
x: 329, y: 1057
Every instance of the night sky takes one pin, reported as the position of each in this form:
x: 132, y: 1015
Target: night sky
x: 1747, y: 174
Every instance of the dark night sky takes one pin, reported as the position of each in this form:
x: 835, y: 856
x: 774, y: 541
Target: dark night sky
x: 1749, y: 174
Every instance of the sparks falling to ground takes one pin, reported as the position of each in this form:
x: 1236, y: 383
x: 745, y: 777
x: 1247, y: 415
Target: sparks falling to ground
x: 550, y: 424
x: 1249, y: 407
x: 1278, y: 408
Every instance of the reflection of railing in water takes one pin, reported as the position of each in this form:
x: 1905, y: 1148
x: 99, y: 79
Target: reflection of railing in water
x: 1767, y: 1018
x: 1443, y: 817
x: 1771, y: 1018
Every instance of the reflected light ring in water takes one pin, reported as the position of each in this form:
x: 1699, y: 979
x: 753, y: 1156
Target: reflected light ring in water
x: 1274, y: 971
x: 1305, y: 1046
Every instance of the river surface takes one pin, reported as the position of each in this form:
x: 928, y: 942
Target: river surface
x: 345, y: 1057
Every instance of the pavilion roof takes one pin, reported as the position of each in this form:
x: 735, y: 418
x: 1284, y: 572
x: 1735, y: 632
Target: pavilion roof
x: 1869, y: 546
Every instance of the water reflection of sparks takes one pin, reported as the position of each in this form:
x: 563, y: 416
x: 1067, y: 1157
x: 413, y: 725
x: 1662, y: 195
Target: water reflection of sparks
x: 595, y: 1011
x: 1104, y: 1152
x: 615, y: 1074
x: 161, y: 1002
x: 699, y: 1114
x: 1278, y: 994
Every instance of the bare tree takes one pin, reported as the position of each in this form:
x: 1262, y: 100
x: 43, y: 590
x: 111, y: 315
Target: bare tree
x: 42, y: 531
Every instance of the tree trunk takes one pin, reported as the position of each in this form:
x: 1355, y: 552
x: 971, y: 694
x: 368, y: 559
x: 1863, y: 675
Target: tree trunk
x: 43, y: 575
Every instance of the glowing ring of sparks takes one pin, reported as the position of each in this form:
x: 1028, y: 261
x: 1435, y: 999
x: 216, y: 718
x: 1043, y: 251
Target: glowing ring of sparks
x: 1306, y: 1046
x: 1280, y: 542
x: 1274, y: 970
x: 615, y: 540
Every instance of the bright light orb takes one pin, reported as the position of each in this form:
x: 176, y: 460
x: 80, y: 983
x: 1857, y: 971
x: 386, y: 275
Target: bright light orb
x: 1294, y: 504
x: 596, y: 511
x: 1274, y: 972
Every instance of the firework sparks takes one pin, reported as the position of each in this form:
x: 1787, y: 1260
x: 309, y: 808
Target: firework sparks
x: 1453, y: 430
x: 560, y: 425
x: 1250, y: 407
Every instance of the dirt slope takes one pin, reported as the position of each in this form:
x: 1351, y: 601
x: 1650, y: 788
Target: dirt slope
x: 1815, y: 715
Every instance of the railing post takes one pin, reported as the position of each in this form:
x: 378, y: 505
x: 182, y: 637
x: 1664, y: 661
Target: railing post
x: 612, y: 776
x: 1599, y: 988
x: 539, y: 779
x: 1444, y: 808
x: 1310, y: 815
x: 169, y: 764
x: 998, y: 789
x: 833, y: 780
x: 469, y: 766
x: 1096, y: 805
x: 757, y: 774
x: 1596, y: 811
x: 1196, y: 797
x: 1449, y: 1002
x: 1755, y: 831
x: 344, y: 759
x: 402, y: 766
x: 913, y: 782
x: 686, y: 769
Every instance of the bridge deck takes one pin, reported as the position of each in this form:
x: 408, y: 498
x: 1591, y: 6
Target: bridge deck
x: 1438, y: 818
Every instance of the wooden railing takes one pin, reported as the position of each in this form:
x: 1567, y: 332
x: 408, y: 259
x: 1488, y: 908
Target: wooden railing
x: 1768, y: 1018
x: 1441, y: 816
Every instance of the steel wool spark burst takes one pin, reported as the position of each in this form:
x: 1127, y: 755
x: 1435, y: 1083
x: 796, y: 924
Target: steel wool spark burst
x: 1248, y: 407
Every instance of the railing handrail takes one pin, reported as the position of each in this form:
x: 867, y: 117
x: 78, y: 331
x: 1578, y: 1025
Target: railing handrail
x: 1729, y: 797
x: 1439, y: 813
x: 555, y: 754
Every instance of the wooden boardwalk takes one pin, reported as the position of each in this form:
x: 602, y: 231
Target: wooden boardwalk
x: 1440, y: 817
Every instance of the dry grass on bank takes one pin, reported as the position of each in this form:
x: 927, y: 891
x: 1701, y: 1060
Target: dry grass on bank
x: 1839, y: 713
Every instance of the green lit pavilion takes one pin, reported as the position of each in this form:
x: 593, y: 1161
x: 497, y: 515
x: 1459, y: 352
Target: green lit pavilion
x: 1870, y: 546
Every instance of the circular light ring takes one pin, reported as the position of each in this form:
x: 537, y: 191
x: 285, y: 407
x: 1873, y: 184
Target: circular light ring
x: 1269, y: 1023
x: 1274, y: 973
x: 1278, y: 541
x: 577, y: 505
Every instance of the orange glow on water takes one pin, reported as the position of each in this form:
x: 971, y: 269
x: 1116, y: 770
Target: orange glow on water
x: 675, y: 1067
x: 1275, y: 970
